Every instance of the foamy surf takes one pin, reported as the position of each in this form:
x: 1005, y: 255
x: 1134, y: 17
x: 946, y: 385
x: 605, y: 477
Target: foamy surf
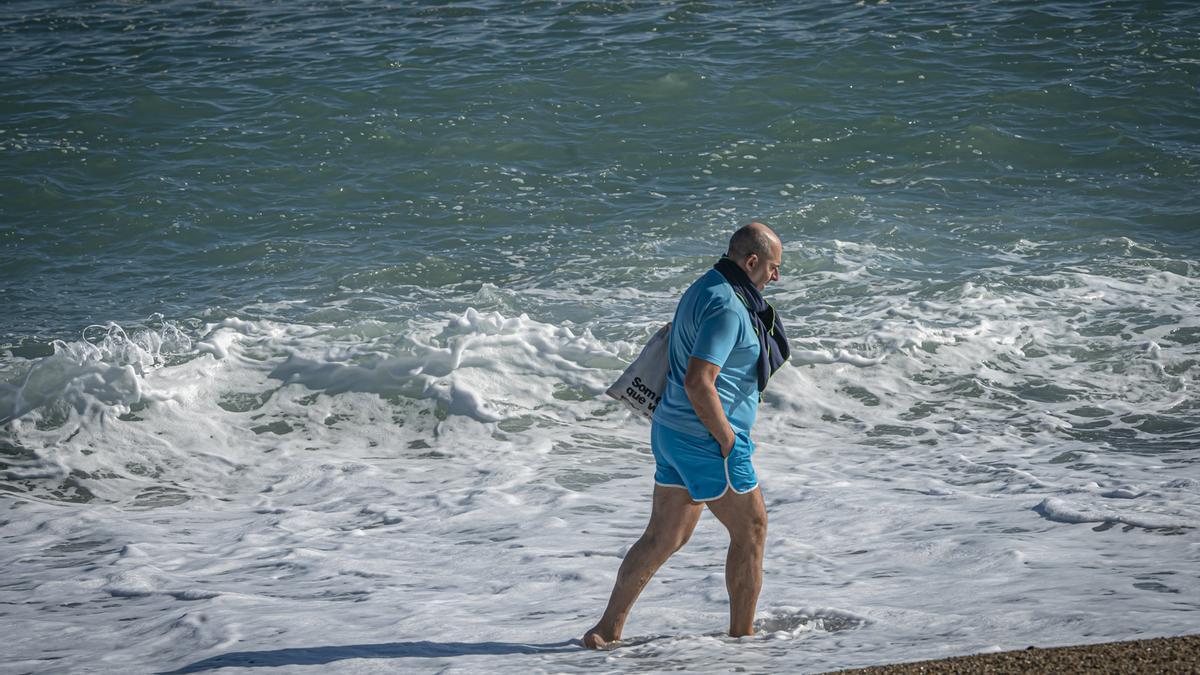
x: 443, y: 493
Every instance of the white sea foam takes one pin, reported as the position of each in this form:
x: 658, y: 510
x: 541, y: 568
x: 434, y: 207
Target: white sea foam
x: 1066, y: 512
x: 456, y: 492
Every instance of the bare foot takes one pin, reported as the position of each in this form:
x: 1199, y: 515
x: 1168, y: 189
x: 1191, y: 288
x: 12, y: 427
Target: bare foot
x: 594, y: 640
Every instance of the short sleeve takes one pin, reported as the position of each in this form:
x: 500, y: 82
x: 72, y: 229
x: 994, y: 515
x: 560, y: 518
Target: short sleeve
x: 716, y: 336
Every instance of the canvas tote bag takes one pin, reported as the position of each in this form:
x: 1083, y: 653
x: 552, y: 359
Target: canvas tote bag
x: 643, y: 383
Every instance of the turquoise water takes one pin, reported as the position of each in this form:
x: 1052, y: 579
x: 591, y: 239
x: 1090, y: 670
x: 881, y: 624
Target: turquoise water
x: 307, y: 310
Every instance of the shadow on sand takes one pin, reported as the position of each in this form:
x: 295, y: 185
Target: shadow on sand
x: 307, y: 656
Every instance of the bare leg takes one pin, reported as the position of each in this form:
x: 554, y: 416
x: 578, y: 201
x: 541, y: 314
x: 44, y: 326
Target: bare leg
x: 745, y: 516
x: 673, y: 517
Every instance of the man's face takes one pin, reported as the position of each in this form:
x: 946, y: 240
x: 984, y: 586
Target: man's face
x: 763, y: 271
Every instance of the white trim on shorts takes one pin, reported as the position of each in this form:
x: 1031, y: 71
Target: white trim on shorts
x: 728, y: 485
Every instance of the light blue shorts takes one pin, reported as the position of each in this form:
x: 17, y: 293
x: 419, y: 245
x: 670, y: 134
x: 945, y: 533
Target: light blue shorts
x: 694, y: 463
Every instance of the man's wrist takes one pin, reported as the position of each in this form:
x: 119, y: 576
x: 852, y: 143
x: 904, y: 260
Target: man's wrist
x: 731, y: 440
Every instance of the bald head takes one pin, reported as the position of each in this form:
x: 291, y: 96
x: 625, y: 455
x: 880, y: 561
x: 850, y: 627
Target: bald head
x: 755, y: 238
x: 758, y: 251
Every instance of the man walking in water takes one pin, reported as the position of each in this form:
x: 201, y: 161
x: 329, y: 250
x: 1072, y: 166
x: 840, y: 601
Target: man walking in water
x: 725, y: 344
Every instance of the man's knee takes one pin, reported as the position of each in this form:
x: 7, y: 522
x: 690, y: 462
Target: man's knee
x: 681, y: 539
x: 759, y: 526
x: 751, y: 530
x: 666, y: 542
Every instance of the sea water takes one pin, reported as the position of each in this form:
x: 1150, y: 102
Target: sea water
x: 307, y: 311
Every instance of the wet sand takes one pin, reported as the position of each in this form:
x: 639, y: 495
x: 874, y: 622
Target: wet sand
x: 1158, y: 655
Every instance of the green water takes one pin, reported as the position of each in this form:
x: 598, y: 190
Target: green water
x: 183, y: 159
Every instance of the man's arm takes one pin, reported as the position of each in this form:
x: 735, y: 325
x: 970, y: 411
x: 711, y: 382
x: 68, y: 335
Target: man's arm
x: 700, y: 383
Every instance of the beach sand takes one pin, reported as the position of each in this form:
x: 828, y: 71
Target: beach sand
x: 1158, y: 655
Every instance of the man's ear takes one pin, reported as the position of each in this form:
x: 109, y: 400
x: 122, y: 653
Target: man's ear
x: 752, y: 260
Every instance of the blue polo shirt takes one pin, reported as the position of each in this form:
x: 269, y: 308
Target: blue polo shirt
x: 712, y: 324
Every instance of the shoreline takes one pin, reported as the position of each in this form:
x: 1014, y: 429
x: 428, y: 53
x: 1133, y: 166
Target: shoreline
x: 1153, y: 655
